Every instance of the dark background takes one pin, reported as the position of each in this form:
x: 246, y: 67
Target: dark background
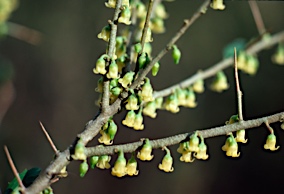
x: 54, y: 83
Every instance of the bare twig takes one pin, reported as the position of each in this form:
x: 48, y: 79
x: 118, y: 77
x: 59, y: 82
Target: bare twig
x: 168, y: 141
x: 239, y: 92
x: 266, y: 122
x: 257, y: 17
x: 111, y: 50
x: 146, y: 25
x: 48, y: 138
x: 14, y: 169
x: 24, y: 33
x: 225, y: 63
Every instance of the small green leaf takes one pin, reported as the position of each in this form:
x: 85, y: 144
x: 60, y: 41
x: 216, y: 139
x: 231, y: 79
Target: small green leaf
x: 14, y: 183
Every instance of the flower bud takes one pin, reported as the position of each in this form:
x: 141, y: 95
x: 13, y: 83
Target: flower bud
x: 93, y: 161
x: 198, y: 86
x: 112, y: 129
x: 160, y: 11
x: 138, y: 47
x: 83, y: 168
x: 193, y: 143
x: 79, y: 151
x: 157, y: 26
x: 202, y: 149
x: 176, y: 54
x: 155, y: 69
x: 240, y: 137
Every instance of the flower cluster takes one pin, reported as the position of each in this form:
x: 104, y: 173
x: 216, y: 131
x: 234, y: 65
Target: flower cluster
x: 193, y: 148
x: 247, y: 63
x: 108, y: 132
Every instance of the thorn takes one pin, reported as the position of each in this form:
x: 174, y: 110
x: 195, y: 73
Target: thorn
x: 48, y: 138
x: 14, y: 169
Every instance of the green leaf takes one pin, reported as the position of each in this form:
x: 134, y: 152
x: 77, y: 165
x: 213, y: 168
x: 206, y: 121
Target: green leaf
x: 239, y: 44
x: 30, y: 176
x: 14, y: 183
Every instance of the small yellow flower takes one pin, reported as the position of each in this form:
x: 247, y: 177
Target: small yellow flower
x: 149, y: 36
x: 220, y: 82
x: 217, y: 4
x: 112, y: 3
x: 147, y: 91
x: 271, y: 143
x: 125, y: 15
x: 100, y: 66
x: 242, y: 60
x: 201, y: 154
x: 186, y: 157
x: 138, y: 122
x: 127, y: 79
x: 183, y: 147
x: 181, y: 96
x: 150, y: 109
x: 79, y: 151
x: 103, y: 162
x: 198, y: 86
x: 251, y: 65
x: 240, y: 137
x: 278, y: 57
x: 145, y: 153
x: 131, y: 166
x: 190, y: 99
x: 113, y: 71
x: 193, y: 143
x: 140, y: 10
x: 105, y: 138
x: 159, y: 102
x: 105, y: 33
x: 160, y: 11
x: 157, y: 25
x: 129, y: 119
x: 119, y: 168
x: 132, y: 103
x: 231, y: 147
x: 172, y: 103
x: 167, y: 162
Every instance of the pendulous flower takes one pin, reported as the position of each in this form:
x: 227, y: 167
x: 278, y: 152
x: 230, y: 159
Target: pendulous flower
x: 271, y: 143
x: 167, y: 162
x: 131, y: 166
x: 119, y: 168
x: 145, y: 153
x: 103, y: 162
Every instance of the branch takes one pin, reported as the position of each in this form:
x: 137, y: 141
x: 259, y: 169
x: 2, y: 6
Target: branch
x: 239, y: 92
x: 182, y: 30
x: 168, y: 141
x: 225, y: 63
x: 257, y: 17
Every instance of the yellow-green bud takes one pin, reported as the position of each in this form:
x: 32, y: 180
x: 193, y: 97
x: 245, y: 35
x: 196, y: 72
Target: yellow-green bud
x: 155, y: 69
x: 83, y: 168
x: 93, y: 161
x: 176, y: 54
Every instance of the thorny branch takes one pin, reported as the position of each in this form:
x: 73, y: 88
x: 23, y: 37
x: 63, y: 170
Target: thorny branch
x: 92, y: 127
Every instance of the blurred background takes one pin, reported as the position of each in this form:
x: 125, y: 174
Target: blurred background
x: 53, y: 82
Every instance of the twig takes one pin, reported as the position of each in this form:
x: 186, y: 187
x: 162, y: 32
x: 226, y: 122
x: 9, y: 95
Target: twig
x: 24, y: 33
x: 266, y: 122
x: 48, y: 138
x: 182, y: 30
x: 14, y: 169
x: 168, y: 141
x: 111, y: 49
x: 146, y: 25
x: 225, y: 63
x: 239, y: 92
x: 257, y: 17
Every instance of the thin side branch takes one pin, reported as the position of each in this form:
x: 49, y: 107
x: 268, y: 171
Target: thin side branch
x: 239, y: 92
x: 225, y: 63
x: 176, y: 139
x: 146, y: 25
x: 182, y: 30
x: 257, y: 17
x: 14, y: 169
x: 48, y: 138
